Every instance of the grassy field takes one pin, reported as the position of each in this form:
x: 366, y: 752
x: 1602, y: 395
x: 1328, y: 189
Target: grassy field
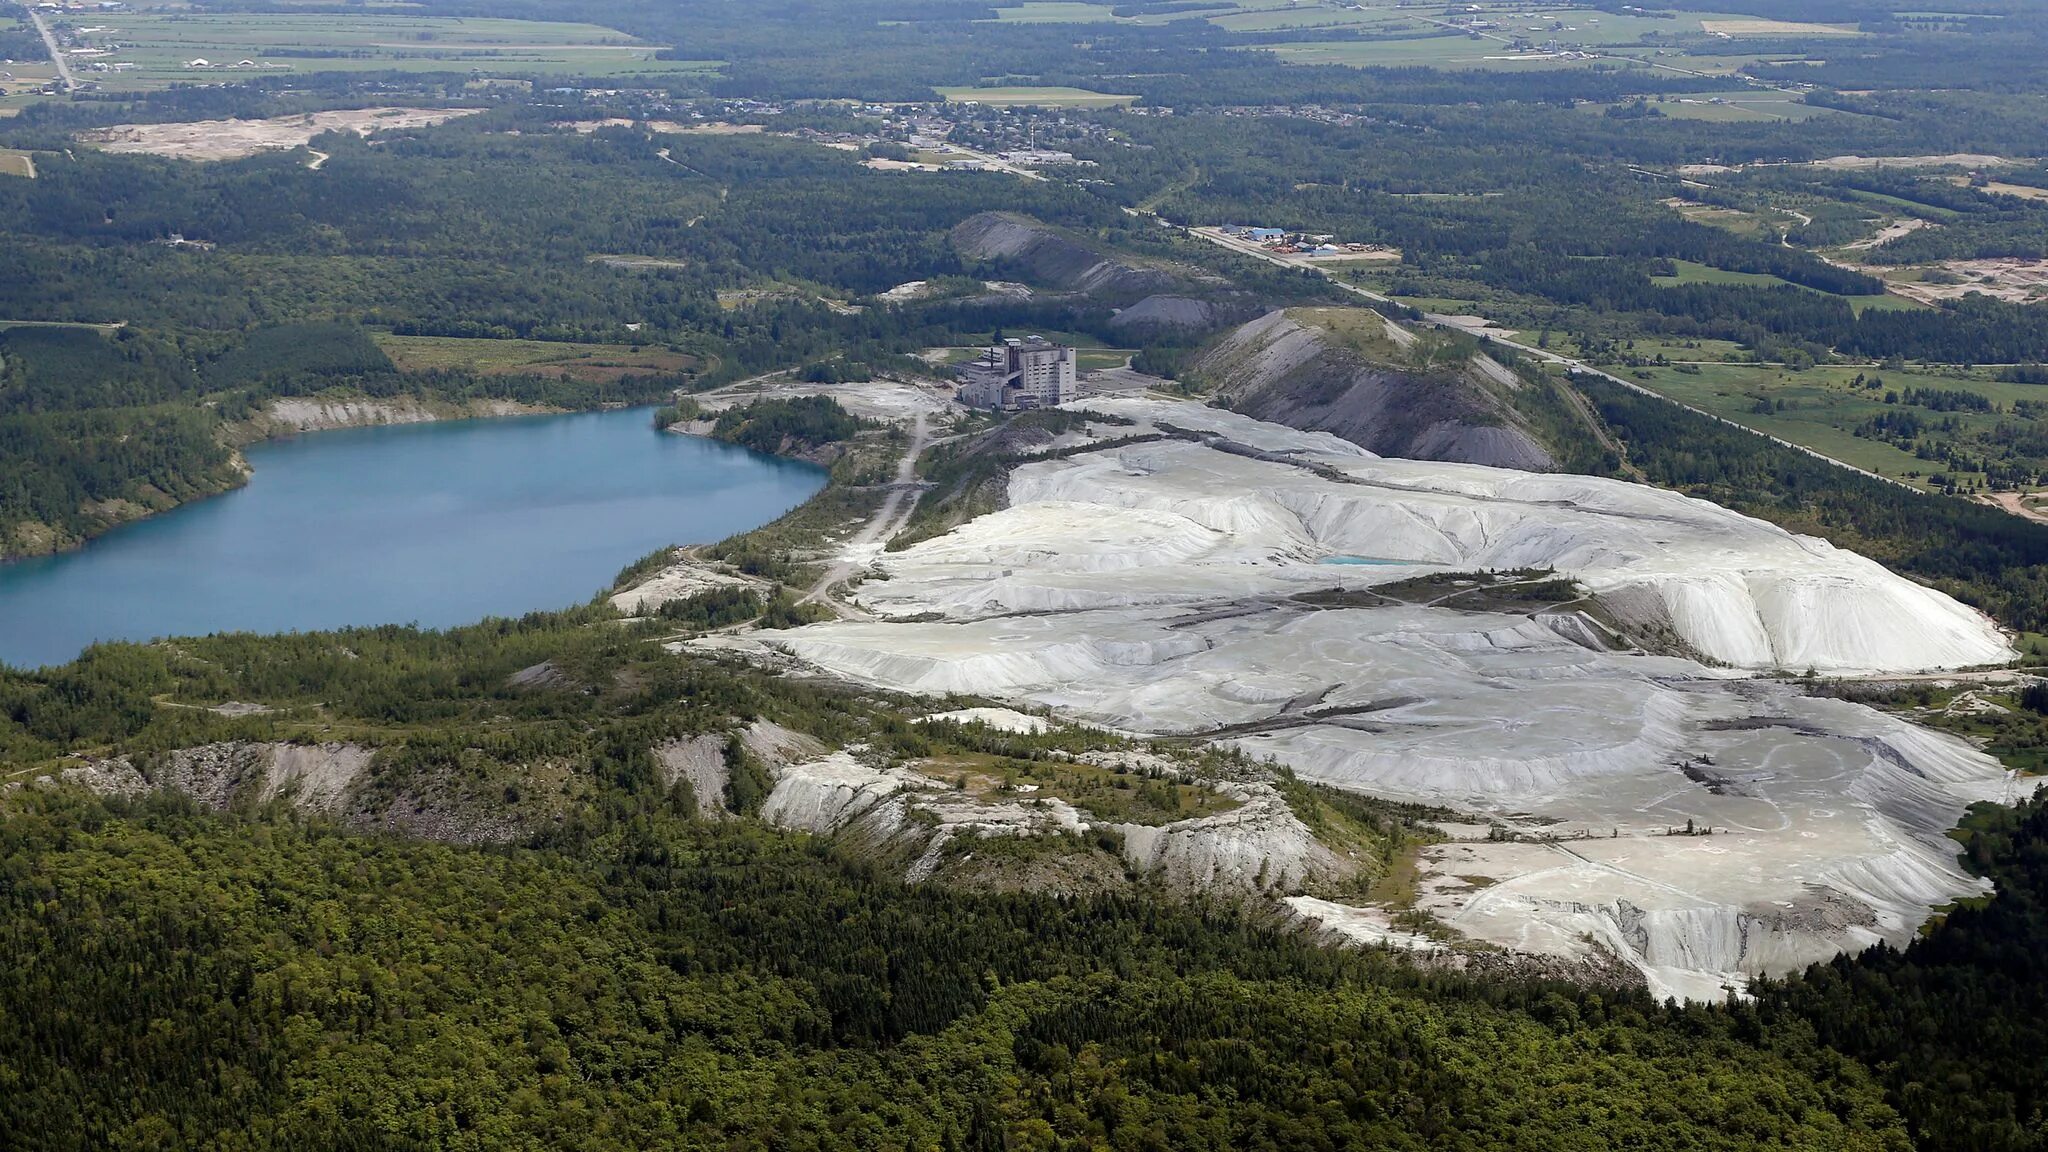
x: 1822, y: 408
x: 1045, y: 97
x: 1691, y: 273
x: 162, y: 45
x: 1676, y: 351
x: 1096, y: 359
x: 14, y: 163
x: 1629, y: 37
x: 1734, y: 220
x: 530, y: 357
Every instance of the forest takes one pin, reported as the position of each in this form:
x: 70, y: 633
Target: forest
x: 712, y: 984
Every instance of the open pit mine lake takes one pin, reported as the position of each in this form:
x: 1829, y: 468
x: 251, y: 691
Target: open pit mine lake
x: 434, y: 524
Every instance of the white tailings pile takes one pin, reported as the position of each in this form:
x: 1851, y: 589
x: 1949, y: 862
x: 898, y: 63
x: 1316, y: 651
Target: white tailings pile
x: 1258, y: 846
x: 1147, y: 589
x: 1205, y: 524
x: 1000, y: 719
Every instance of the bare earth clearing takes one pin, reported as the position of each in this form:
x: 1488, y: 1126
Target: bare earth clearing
x: 2026, y: 505
x: 235, y: 139
x: 2012, y: 280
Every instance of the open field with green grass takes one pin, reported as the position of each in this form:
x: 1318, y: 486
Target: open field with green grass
x: 1750, y: 224
x: 1096, y: 359
x: 1045, y: 97
x: 530, y: 357
x: 16, y: 163
x: 1691, y: 273
x: 1676, y: 351
x: 164, y: 46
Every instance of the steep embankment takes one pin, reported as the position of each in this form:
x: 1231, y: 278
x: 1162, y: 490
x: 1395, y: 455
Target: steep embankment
x: 290, y: 415
x: 1350, y: 372
x: 1154, y: 295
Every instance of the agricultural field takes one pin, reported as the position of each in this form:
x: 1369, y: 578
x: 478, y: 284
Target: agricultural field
x: 1447, y: 51
x: 592, y: 362
x: 1055, y: 12
x: 17, y: 163
x: 136, y: 51
x: 1753, y: 27
x: 1961, y: 414
x: 1043, y: 97
x: 1497, y: 35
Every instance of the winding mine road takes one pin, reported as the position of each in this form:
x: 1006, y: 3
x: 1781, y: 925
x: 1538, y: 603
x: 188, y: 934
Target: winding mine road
x: 886, y: 522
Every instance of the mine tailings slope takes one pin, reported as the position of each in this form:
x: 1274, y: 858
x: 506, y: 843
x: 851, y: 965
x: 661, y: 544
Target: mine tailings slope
x: 1349, y: 372
x: 1157, y: 295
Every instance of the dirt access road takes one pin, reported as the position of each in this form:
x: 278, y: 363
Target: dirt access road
x: 886, y: 522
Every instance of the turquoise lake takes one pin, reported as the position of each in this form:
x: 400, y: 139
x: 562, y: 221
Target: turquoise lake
x: 434, y: 524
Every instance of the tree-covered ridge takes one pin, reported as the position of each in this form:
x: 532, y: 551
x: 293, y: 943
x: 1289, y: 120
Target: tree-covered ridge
x: 714, y: 985
x: 786, y: 426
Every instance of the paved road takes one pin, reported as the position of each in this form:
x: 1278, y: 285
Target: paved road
x: 1571, y: 366
x: 56, y: 53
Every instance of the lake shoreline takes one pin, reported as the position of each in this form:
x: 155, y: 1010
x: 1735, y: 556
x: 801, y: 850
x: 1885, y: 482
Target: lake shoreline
x: 284, y: 419
x: 436, y: 523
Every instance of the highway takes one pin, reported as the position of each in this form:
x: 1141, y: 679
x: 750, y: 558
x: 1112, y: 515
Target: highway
x: 56, y: 53
x: 1571, y: 366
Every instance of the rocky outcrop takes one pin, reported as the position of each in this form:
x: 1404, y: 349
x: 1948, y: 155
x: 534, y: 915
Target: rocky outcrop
x: 699, y: 761
x: 310, y: 777
x: 328, y: 780
x: 1287, y: 368
x: 1259, y: 846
